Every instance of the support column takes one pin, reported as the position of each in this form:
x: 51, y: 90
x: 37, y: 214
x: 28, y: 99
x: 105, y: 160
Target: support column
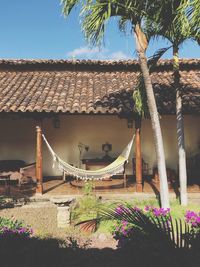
x: 39, y: 189
x: 139, y: 186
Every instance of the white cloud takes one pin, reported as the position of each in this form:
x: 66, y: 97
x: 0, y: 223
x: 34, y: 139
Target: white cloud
x: 119, y: 55
x: 85, y: 52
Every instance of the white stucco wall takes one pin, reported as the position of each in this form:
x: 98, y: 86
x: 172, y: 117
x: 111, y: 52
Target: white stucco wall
x: 17, y: 138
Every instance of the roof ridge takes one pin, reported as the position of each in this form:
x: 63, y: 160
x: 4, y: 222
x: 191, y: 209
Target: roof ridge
x: 92, y: 65
x: 91, y: 61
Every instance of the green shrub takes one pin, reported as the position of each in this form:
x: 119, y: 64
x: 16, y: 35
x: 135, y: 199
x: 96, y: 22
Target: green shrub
x: 9, y: 227
x: 87, y: 206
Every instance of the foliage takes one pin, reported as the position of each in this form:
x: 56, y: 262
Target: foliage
x: 9, y: 227
x: 191, y: 9
x: 176, y: 21
x: 125, y: 230
x: 193, y: 218
x: 87, y: 206
x: 140, y: 98
x: 87, y: 189
x: 81, y: 214
x: 156, y: 221
x: 95, y: 15
x: 152, y: 227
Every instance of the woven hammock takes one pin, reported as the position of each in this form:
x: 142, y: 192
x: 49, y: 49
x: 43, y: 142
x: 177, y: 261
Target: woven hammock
x: 115, y: 167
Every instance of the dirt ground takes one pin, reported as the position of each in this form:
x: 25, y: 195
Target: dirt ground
x: 42, y: 218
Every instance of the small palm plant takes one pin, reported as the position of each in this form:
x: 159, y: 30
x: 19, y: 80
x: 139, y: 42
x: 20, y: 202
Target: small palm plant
x: 151, y: 237
x: 154, y: 223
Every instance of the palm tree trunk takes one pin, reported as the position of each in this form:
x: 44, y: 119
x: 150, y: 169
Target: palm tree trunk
x: 164, y: 192
x: 180, y: 131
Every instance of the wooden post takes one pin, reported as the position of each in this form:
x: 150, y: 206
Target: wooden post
x: 139, y: 186
x: 39, y: 189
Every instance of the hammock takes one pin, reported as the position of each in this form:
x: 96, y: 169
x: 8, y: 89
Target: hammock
x: 114, y: 168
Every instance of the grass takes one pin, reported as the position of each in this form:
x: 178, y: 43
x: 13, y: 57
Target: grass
x: 178, y: 211
x: 87, y: 208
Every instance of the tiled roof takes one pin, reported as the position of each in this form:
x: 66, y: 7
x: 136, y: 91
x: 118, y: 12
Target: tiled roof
x: 84, y: 86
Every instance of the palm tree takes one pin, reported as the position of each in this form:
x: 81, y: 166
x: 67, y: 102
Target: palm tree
x: 95, y: 16
x: 178, y: 22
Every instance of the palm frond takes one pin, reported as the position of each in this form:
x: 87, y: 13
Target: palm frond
x: 123, y: 22
x: 153, y: 60
x: 176, y: 21
x: 89, y: 225
x: 97, y: 14
x: 140, y: 98
x: 68, y: 5
x: 193, y: 13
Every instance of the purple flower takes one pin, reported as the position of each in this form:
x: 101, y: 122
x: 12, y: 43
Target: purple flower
x: 198, y: 220
x: 16, y: 230
x: 193, y: 219
x: 124, y: 223
x: 119, y: 210
x: 124, y: 232
x: 147, y: 208
x: 136, y: 209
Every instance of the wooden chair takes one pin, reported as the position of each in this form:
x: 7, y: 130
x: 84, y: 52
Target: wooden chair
x: 28, y: 174
x: 171, y: 176
x: 145, y: 167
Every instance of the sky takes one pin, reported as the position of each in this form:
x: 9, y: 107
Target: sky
x: 36, y: 29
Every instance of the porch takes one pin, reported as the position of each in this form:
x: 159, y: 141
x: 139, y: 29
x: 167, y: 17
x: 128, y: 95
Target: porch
x: 115, y: 188
x: 95, y: 131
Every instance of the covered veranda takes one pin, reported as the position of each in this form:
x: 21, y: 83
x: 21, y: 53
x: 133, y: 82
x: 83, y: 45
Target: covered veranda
x: 50, y: 180
x: 91, y: 103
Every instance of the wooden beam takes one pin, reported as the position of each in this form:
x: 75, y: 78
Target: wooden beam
x: 39, y: 188
x: 138, y: 152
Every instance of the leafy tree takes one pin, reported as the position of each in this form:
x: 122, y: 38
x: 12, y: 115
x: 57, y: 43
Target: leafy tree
x: 96, y: 15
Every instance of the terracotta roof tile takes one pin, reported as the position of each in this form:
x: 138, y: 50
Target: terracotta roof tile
x: 90, y: 86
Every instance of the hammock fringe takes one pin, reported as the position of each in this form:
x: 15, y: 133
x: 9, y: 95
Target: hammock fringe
x: 114, y: 168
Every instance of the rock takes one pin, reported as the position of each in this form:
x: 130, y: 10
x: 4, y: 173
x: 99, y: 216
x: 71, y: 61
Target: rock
x: 102, y: 237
